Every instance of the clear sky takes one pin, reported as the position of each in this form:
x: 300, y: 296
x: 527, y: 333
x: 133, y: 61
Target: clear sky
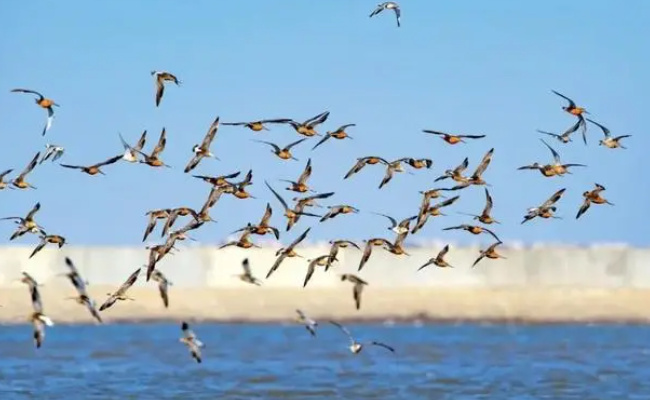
x: 473, y: 67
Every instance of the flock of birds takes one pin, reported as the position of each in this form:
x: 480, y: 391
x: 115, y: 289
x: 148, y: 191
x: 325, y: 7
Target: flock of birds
x: 228, y: 185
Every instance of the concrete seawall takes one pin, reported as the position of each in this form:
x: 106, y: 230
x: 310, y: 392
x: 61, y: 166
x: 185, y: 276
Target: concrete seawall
x: 599, y: 283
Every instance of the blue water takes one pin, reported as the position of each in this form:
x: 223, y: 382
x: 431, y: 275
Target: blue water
x: 146, y: 361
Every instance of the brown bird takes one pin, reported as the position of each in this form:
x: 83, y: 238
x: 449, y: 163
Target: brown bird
x: 285, y: 152
x: 263, y: 227
x: 609, y: 141
x: 26, y: 224
x: 154, y: 216
x: 153, y: 159
x: 391, y: 168
x: 438, y: 260
x: 221, y: 180
x: 427, y: 211
x: 191, y: 341
x: 247, y: 275
x: 43, y: 102
x: 398, y: 227
x: 362, y: 162
x: 257, y: 126
x: 321, y: 261
x: 592, y: 197
x: 163, y: 286
x: 288, y: 251
x: 576, y: 111
x: 418, y: 163
x: 120, y: 293
x: 45, y: 239
x: 357, y: 289
x: 95, y: 168
x: 490, y: 253
x: 4, y: 184
x: 456, y: 174
x: 339, y: 210
x: 485, y: 216
x: 300, y: 185
x: 131, y: 152
x: 310, y: 201
x: 432, y: 194
x: 203, y: 150
x: 243, y: 242
x: 334, y: 250
x: 238, y: 189
x: 174, y: 214
x: 547, y: 208
x: 367, y: 250
x: 161, y: 78
x: 453, y: 139
x: 79, y: 284
x: 476, y: 178
x: 292, y: 215
x: 307, y: 128
x: 339, y: 134
x: 19, y: 182
x: 560, y: 168
x: 474, y: 229
x: 38, y: 318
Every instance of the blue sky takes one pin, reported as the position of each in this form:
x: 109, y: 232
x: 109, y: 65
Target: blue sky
x: 463, y: 66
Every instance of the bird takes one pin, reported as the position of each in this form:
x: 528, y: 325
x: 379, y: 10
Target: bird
x: 477, y: 177
x: 288, y: 251
x: 391, y: 168
x: 432, y: 194
x: 306, y: 128
x: 257, y: 126
x: 320, y: 261
x: 43, y: 102
x: 45, y: 239
x: 573, y: 109
x: 161, y: 78
x: 309, y: 323
x: 560, y: 169
x: 335, y: 245
x: 490, y: 253
x: 38, y: 318
x: 120, y: 293
x: 357, y: 288
x: 131, y: 152
x: 52, y: 151
x: 154, y: 216
x: 566, y: 136
x: 401, y: 227
x: 263, y: 227
x: 193, y: 344
x: 174, y: 214
x: 94, y: 169
x: 292, y: 214
x: 339, y: 133
x: 19, y: 182
x: 203, y: 150
x: 310, y: 201
x: 300, y: 185
x: 367, y: 250
x: 427, y: 211
x: 438, y: 260
x: 547, y: 208
x: 80, y: 286
x: 243, y: 242
x: 163, y: 285
x: 247, y: 275
x: 455, y: 174
x: 221, y: 180
x: 485, y: 216
x: 4, y: 184
x: 609, y: 141
x: 474, y: 229
x: 339, y: 210
x: 356, y: 347
x: 452, y: 139
x: 418, y: 163
x: 153, y: 159
x: 26, y: 224
x: 285, y: 152
x: 388, y: 5
x: 362, y: 162
x: 592, y: 197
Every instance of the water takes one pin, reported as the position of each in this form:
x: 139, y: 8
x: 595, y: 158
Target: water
x: 241, y: 361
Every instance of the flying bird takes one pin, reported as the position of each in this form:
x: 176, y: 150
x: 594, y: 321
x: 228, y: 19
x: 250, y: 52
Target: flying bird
x: 357, y: 288
x: 362, y: 162
x: 490, y: 253
x: 486, y: 215
x: 3, y: 183
x: 452, y: 139
x: 300, y: 185
x: 356, y: 347
x: 43, y: 102
x: 566, y: 136
x: 438, y: 260
x: 153, y: 159
x: 80, y: 285
x: 52, y: 151
x: 573, y: 109
x: 247, y: 275
x: 339, y: 210
x: 203, y: 150
x: 339, y: 134
x: 309, y: 323
x: 26, y: 224
x: 609, y: 141
x: 398, y: 228
x: 547, y: 208
x: 131, y: 152
x: 193, y: 344
x: 388, y: 5
x: 592, y: 197
x: 263, y: 227
x: 257, y: 126
x: 120, y: 293
x: 306, y: 128
x: 335, y: 245
x: 38, y: 318
x: 321, y: 261
x: 163, y: 286
x: 45, y: 239
x: 283, y: 153
x: 161, y: 78
x: 19, y: 182
x: 288, y: 251
x: 367, y: 250
x: 95, y: 168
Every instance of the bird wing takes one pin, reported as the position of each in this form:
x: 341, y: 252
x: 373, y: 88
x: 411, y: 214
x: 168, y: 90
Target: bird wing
x: 556, y: 156
x: 212, y: 132
x: 583, y: 208
x: 356, y: 293
x: 344, y: 330
x: 111, y: 160
x: 28, y: 91
x: 491, y: 233
x: 194, y: 161
x: 163, y: 290
x: 30, y: 166
x: 246, y: 266
x: 443, y: 252
x: 280, y: 199
x: 488, y: 203
x: 129, y: 282
x: 306, y: 173
x: 554, y: 198
x: 267, y: 215
x: 160, y: 146
x: 484, y: 163
x: 160, y: 89
x: 571, y: 102
x: 606, y: 131
x: 299, y: 238
x: 141, y: 141
x: 462, y: 166
x: 385, y: 346
x: 276, y: 148
x: 290, y: 145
